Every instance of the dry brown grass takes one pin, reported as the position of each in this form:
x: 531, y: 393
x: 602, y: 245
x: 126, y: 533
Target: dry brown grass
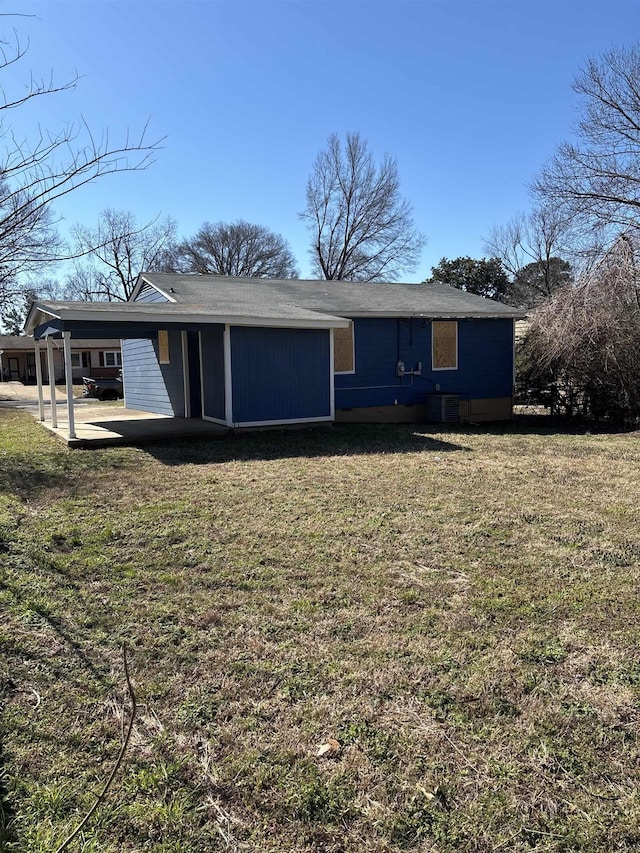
x: 457, y: 610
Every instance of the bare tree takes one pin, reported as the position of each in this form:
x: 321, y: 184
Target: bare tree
x: 236, y: 249
x: 361, y: 227
x: 597, y: 178
x: 115, y: 251
x: 529, y: 248
x: 586, y: 338
x: 36, y: 172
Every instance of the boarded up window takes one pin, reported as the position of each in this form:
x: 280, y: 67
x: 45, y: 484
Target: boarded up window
x: 343, y: 358
x: 163, y: 347
x: 444, y: 344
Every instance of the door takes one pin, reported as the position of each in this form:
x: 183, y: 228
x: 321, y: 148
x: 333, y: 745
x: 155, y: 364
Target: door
x: 212, y: 369
x: 31, y: 367
x: 14, y: 369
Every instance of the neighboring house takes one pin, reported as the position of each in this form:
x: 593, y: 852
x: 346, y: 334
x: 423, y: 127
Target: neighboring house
x: 88, y: 358
x: 251, y: 352
x: 522, y: 329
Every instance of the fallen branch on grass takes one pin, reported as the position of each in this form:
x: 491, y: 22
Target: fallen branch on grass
x: 100, y: 797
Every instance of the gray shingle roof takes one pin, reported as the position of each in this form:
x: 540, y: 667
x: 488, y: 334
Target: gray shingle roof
x: 236, y: 307
x: 341, y: 298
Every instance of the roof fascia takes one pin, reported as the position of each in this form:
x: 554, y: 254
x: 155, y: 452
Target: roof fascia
x: 329, y: 323
x: 162, y: 320
x: 435, y: 315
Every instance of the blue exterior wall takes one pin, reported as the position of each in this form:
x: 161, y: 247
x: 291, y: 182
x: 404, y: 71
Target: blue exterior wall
x: 283, y: 374
x: 212, y: 350
x: 149, y: 385
x: 280, y: 374
x: 485, y: 362
x: 195, y: 388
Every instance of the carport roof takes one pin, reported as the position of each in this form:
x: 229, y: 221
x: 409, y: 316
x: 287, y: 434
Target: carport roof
x: 46, y: 317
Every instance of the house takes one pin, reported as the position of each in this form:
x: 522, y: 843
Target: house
x: 88, y: 358
x: 255, y: 352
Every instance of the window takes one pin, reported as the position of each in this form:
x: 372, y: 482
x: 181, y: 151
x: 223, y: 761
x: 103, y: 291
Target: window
x: 343, y: 352
x: 110, y: 358
x: 163, y: 347
x: 80, y: 359
x: 444, y: 345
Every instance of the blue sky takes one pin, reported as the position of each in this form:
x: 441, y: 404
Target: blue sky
x: 470, y: 97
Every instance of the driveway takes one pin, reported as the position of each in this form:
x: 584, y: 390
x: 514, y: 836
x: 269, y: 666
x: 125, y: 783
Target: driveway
x: 17, y: 392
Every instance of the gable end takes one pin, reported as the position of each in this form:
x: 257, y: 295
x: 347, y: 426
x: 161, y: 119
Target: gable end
x: 148, y: 293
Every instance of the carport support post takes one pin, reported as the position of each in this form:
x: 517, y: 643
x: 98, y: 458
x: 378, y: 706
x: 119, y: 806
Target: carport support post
x: 68, y: 374
x: 39, y: 381
x: 52, y: 382
x: 332, y: 383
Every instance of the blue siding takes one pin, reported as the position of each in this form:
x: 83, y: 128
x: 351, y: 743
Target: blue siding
x: 485, y: 362
x: 283, y: 374
x: 212, y: 348
x: 150, y: 294
x: 195, y: 389
x: 280, y: 374
x: 149, y: 385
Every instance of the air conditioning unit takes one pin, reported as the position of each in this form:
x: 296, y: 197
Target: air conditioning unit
x: 443, y: 408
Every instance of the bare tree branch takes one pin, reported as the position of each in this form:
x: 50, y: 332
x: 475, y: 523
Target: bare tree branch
x: 236, y: 249
x: 113, y: 253
x: 587, y: 337
x: 597, y: 178
x: 37, y: 172
x: 361, y: 227
x: 530, y: 248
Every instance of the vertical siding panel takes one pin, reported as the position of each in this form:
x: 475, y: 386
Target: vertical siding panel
x: 280, y: 374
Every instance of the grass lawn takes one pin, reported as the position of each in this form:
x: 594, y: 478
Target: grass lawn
x: 358, y: 639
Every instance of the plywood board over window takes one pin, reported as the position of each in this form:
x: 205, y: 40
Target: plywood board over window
x: 343, y: 352
x: 163, y: 347
x: 444, y: 354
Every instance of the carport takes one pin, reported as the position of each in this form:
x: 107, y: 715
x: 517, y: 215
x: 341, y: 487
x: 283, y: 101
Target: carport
x: 197, y: 365
x: 50, y: 321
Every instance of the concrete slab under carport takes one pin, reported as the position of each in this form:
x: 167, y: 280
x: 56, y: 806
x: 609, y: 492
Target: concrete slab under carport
x: 103, y: 425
